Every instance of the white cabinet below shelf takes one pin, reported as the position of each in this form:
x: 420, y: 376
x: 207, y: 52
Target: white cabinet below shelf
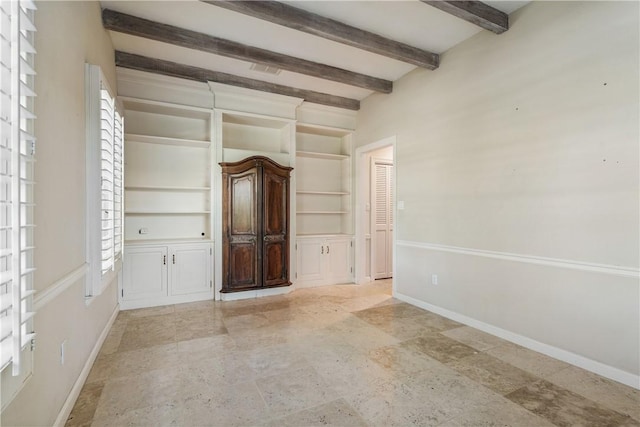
x: 324, y: 260
x: 171, y: 273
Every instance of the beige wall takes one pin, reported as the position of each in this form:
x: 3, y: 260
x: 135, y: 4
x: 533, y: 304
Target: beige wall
x: 69, y: 34
x: 526, y: 143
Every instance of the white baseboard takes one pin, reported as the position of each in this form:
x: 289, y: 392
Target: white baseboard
x: 557, y: 353
x: 65, y: 411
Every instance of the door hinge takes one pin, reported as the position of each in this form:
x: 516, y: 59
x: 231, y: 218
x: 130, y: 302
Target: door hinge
x: 210, y: 251
x: 122, y: 293
x: 211, y: 283
x: 33, y: 343
x: 296, y: 246
x: 296, y: 274
x: 351, y: 269
x: 351, y: 244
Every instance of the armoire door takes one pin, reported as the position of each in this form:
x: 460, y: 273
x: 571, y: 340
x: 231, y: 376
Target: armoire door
x: 275, y: 248
x: 242, y: 231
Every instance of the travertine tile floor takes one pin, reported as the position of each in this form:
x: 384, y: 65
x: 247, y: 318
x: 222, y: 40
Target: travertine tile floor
x: 339, y: 355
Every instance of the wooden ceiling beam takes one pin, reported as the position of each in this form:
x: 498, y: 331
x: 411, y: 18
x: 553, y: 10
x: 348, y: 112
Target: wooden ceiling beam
x: 128, y: 24
x: 173, y: 69
x: 301, y: 20
x: 476, y: 12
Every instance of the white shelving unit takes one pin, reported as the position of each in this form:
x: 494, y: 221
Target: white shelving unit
x: 244, y: 135
x: 168, y: 156
x: 324, y: 182
x: 168, y: 183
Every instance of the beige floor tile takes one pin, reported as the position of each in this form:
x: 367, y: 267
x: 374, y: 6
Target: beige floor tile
x: 240, y: 405
x: 238, y: 324
x: 205, y: 348
x: 498, y: 414
x: 336, y: 413
x: 565, y: 408
x: 533, y: 362
x: 401, y: 361
x: 148, y: 389
x: 612, y: 394
x: 208, y: 375
x: 493, y: 373
x: 85, y: 406
x: 439, y: 347
x: 135, y: 362
x: 294, y: 391
x: 167, y: 414
x: 274, y: 360
x: 148, y: 331
x: 474, y: 338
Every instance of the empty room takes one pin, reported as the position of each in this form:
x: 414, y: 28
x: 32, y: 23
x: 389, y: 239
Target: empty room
x: 345, y: 213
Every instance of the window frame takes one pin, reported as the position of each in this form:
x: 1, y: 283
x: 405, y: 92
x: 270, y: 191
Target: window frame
x: 99, y: 278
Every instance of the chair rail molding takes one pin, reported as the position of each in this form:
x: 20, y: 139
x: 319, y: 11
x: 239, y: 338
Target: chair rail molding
x: 615, y: 270
x: 52, y: 291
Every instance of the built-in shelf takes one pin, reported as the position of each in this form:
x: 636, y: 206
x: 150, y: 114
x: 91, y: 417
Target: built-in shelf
x: 163, y: 188
x: 238, y: 154
x: 321, y: 212
x: 324, y: 193
x: 150, y: 212
x: 151, y: 139
x: 165, y: 108
x: 317, y: 155
x: 165, y: 241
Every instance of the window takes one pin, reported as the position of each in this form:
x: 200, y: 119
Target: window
x: 104, y: 182
x: 17, y: 150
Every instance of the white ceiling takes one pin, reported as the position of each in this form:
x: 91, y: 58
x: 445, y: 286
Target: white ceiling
x: 408, y: 21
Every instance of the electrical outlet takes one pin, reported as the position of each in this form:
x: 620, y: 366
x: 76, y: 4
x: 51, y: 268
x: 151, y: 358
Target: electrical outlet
x: 434, y: 279
x: 62, y: 351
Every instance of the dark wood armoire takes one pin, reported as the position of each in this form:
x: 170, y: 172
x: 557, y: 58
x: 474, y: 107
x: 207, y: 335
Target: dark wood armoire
x: 255, y: 224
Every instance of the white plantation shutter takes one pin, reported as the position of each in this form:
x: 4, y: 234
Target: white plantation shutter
x: 118, y: 184
x: 105, y: 131
x: 106, y: 177
x: 17, y: 150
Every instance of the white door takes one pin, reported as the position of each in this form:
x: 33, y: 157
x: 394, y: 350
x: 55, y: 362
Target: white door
x: 382, y: 219
x: 338, y: 255
x: 190, y: 268
x: 310, y: 261
x: 145, y: 272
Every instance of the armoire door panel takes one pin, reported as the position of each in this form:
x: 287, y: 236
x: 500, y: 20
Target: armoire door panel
x: 274, y: 267
x: 243, y: 206
x: 243, y: 272
x: 275, y: 204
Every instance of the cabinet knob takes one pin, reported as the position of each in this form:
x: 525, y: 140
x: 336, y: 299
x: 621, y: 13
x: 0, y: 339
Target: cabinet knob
x: 327, y: 249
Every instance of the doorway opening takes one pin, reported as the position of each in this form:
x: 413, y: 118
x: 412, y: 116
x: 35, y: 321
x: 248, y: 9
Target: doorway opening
x: 375, y: 210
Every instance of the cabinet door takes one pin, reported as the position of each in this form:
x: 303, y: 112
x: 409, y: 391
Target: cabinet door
x: 338, y: 255
x: 145, y: 272
x: 190, y: 267
x: 311, y: 260
x: 275, y: 250
x: 241, y: 250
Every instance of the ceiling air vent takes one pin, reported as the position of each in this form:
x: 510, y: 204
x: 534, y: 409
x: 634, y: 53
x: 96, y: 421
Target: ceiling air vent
x: 266, y: 69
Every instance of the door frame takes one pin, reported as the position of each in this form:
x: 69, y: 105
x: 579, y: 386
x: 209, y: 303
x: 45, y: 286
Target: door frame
x: 361, y: 177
